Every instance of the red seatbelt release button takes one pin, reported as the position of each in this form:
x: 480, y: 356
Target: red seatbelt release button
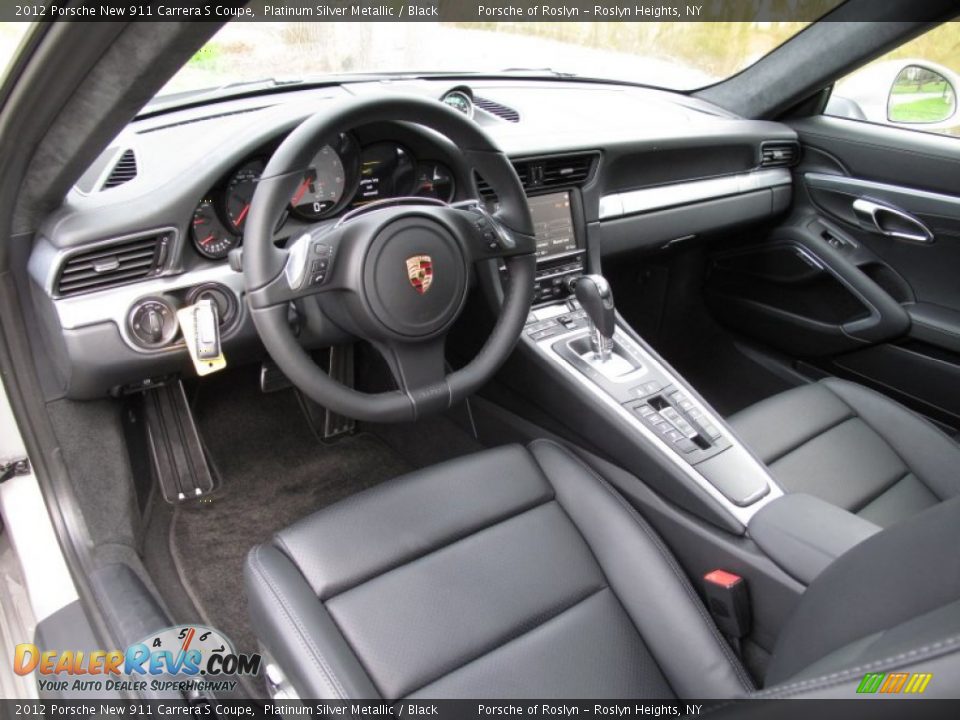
x: 728, y: 602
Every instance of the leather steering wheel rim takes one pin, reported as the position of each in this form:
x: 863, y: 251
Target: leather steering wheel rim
x: 267, y: 268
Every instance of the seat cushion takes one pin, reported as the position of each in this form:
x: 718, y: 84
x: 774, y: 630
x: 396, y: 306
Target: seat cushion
x: 513, y: 572
x: 854, y: 448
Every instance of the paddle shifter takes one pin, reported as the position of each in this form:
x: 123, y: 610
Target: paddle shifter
x: 596, y: 298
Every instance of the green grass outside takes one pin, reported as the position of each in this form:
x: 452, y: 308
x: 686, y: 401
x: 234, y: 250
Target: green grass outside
x: 906, y: 88
x: 207, y: 57
x: 927, y: 110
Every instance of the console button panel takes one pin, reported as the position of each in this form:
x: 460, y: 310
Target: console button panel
x: 647, y: 391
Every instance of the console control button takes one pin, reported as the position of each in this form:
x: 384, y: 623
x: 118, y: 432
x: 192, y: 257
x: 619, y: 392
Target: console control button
x: 647, y: 388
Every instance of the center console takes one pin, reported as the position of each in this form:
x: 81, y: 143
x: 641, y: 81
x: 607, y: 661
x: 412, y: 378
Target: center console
x: 621, y: 382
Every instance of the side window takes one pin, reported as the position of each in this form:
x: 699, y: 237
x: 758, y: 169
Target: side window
x: 913, y: 87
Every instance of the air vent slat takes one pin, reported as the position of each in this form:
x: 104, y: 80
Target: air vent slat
x: 71, y: 286
x: 111, y: 265
x: 71, y: 275
x: 562, y: 171
x: 779, y: 154
x: 124, y: 171
x: 498, y: 109
x: 78, y: 261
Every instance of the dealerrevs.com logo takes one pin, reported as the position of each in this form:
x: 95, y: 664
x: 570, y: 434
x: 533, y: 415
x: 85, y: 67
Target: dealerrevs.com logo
x: 185, y: 657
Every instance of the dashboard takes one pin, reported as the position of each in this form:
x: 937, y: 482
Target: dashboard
x: 150, y: 226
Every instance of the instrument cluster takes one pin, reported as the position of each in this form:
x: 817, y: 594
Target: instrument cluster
x: 340, y: 177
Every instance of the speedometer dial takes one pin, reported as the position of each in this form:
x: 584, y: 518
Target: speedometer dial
x: 322, y: 187
x: 211, y: 238
x: 239, y: 193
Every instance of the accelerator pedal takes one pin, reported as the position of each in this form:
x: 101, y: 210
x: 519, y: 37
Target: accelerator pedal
x: 325, y: 423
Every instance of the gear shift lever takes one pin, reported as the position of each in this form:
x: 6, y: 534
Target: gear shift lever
x: 596, y: 298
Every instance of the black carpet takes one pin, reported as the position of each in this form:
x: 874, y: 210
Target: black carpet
x: 273, y: 471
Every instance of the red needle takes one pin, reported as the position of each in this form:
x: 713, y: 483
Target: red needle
x: 207, y: 239
x: 301, y: 190
x: 243, y: 214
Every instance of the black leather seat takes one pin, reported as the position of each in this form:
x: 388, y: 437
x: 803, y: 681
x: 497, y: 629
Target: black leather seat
x: 854, y: 448
x: 520, y: 572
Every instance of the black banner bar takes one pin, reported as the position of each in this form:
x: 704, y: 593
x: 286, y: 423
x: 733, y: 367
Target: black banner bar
x: 874, y: 708
x: 460, y: 10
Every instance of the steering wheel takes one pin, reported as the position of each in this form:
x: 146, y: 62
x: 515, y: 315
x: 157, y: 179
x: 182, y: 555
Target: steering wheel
x: 394, y: 273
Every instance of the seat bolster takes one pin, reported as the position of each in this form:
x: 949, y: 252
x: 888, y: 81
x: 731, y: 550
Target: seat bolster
x: 298, y: 632
x: 775, y: 426
x: 655, y: 593
x: 932, y: 456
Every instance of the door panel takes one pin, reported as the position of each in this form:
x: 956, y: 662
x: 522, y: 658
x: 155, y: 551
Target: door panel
x: 931, y: 267
x: 878, y: 210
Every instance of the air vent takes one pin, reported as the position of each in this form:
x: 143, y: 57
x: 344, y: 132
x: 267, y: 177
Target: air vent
x: 495, y: 108
x: 118, y: 263
x: 779, y: 154
x: 550, y: 172
x: 572, y: 170
x: 124, y: 171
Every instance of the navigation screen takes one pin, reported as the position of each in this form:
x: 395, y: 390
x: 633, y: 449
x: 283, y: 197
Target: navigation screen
x: 553, y: 223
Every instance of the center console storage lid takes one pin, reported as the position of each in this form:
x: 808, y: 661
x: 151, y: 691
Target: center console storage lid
x: 804, y: 534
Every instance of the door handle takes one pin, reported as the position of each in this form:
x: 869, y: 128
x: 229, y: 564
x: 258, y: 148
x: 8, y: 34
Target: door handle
x: 891, y: 221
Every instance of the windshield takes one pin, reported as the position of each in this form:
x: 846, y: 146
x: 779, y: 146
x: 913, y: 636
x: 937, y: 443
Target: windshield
x: 677, y: 56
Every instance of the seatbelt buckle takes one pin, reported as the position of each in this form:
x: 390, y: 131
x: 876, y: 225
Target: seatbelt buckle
x: 728, y: 602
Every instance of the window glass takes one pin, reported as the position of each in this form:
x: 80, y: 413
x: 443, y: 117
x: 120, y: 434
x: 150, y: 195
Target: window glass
x: 913, y: 87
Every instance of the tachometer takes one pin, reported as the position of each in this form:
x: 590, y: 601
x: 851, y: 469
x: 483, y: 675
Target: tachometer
x: 239, y: 193
x: 322, y: 187
x: 433, y: 180
x: 210, y: 236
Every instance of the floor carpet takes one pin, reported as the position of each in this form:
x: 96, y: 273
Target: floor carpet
x: 273, y: 471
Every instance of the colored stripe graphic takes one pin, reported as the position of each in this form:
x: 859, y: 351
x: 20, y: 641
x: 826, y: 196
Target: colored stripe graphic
x: 870, y: 683
x: 913, y: 683
x: 894, y: 682
x: 918, y: 682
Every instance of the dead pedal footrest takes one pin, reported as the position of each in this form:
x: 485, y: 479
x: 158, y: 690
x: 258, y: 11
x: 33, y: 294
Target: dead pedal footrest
x: 173, y: 443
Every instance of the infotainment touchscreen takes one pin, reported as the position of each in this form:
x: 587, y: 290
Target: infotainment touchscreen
x: 553, y: 223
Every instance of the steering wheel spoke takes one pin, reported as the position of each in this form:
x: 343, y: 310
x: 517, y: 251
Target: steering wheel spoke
x: 308, y: 268
x: 487, y: 236
x: 419, y: 370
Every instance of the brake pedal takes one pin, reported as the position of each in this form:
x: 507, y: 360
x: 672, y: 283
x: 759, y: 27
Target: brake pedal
x: 272, y: 378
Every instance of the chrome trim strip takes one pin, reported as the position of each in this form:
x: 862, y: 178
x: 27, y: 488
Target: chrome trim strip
x: 664, y: 196
x: 922, y: 201
x: 113, y: 304
x: 741, y: 514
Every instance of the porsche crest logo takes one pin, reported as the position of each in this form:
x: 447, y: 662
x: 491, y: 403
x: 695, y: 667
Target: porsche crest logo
x: 420, y: 272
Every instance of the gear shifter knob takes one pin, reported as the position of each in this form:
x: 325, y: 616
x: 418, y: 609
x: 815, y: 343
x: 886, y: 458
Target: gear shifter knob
x: 596, y: 298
